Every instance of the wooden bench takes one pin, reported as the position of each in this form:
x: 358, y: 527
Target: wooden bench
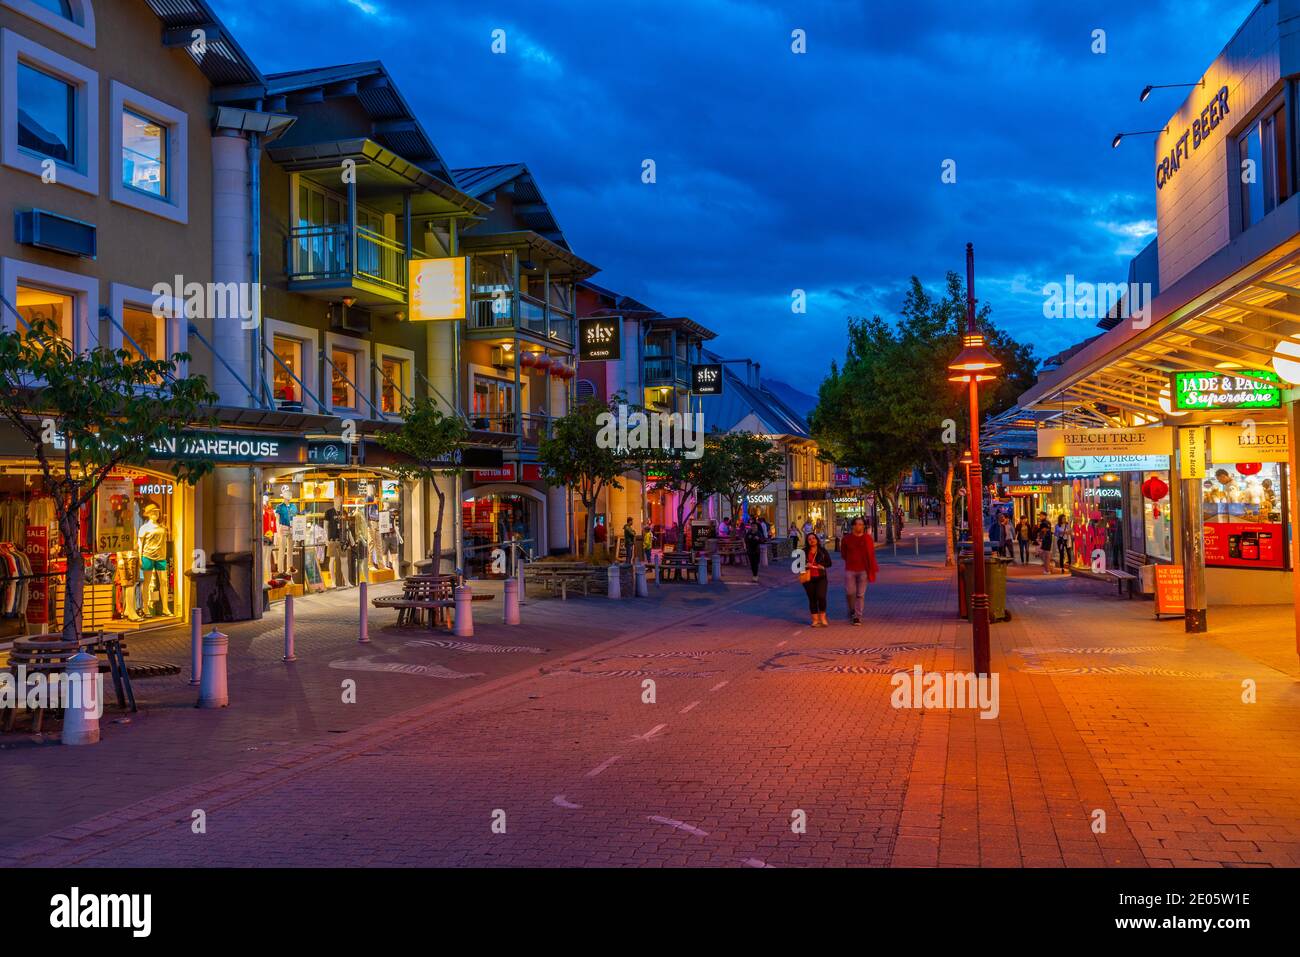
x: 49, y: 654
x: 1108, y: 576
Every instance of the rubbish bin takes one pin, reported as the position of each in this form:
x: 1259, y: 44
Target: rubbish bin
x: 995, y: 583
x: 234, y: 595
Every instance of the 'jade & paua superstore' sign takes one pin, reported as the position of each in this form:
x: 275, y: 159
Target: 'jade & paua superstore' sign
x: 1242, y: 389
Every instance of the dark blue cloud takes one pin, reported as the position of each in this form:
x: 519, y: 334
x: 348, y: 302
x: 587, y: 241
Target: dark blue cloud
x: 779, y: 171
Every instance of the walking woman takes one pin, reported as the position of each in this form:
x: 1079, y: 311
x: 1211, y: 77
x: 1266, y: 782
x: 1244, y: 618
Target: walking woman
x: 753, y: 539
x: 814, y: 579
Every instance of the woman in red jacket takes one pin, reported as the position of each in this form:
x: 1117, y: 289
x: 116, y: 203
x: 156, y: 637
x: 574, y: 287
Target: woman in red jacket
x: 859, y: 553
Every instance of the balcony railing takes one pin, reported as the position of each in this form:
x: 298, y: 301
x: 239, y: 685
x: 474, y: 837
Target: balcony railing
x: 665, y: 370
x: 493, y: 311
x: 529, y: 429
x: 325, y: 253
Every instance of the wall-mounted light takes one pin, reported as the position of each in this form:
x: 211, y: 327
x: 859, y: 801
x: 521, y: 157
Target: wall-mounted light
x: 349, y: 301
x: 1146, y: 90
x: 1120, y: 136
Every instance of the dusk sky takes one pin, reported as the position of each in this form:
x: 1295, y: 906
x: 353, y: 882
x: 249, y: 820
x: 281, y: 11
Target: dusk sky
x: 779, y: 171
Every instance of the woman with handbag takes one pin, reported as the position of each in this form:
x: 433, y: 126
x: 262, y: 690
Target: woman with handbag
x: 814, y: 579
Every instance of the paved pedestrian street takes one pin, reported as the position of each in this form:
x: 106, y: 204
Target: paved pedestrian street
x: 705, y: 726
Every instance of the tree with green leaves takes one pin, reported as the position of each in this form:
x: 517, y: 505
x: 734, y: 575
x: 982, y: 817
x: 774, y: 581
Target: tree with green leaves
x: 747, y: 463
x: 572, y: 456
x: 428, y: 446
x: 694, y: 480
x: 87, y: 414
x: 891, y: 407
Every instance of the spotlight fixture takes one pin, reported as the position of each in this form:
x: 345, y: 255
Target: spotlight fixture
x: 1120, y: 136
x: 1146, y: 90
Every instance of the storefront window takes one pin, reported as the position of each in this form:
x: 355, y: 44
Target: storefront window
x: 491, y: 521
x: 331, y: 529
x: 1241, y: 505
x: 1157, y: 522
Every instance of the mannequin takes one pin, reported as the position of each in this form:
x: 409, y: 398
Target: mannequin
x: 361, y: 538
x: 151, y: 541
x: 372, y: 525
x: 393, y: 542
x: 127, y: 577
x: 284, y: 513
x: 269, y: 526
x: 336, y: 543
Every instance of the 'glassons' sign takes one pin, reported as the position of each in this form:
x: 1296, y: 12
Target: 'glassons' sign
x: 1211, y: 116
x: 706, y: 379
x: 1246, y: 389
x: 600, y: 340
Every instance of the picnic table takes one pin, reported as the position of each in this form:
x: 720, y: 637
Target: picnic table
x: 563, y: 575
x: 732, y: 550
x: 48, y: 654
x: 678, y: 566
x: 431, y: 596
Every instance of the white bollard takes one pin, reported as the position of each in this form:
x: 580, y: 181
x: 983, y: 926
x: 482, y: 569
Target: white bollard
x: 363, y: 636
x: 511, y: 598
x: 213, y: 692
x: 196, y: 646
x: 81, y: 716
x: 288, y: 630
x: 717, y: 567
x: 464, y: 624
x: 917, y: 540
x: 615, y: 585
x: 702, y: 569
x: 764, y: 554
x: 642, y: 586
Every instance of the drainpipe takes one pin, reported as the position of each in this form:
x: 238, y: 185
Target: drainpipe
x: 255, y: 247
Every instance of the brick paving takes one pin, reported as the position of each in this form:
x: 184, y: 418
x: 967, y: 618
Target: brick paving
x: 768, y: 744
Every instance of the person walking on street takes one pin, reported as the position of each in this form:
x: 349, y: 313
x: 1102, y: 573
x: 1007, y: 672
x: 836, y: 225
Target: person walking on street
x: 629, y: 539
x: 1006, y: 535
x: 814, y: 579
x: 794, y: 536
x: 859, y: 554
x: 1044, y: 534
x: 1022, y: 540
x: 1063, y: 545
x: 753, y: 540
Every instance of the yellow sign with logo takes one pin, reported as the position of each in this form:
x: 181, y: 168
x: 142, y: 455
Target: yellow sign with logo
x: 1156, y: 440
x: 1191, y: 453
x: 437, y: 289
x: 1247, y: 442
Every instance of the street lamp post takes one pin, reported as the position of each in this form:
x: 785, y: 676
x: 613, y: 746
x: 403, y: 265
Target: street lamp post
x: 973, y: 365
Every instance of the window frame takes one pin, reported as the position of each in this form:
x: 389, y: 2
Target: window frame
x: 310, y: 375
x: 83, y: 173
x: 122, y: 296
x: 407, y: 358
x: 1267, y: 179
x: 83, y: 289
x: 80, y: 28
x: 174, y: 206
x: 361, y: 380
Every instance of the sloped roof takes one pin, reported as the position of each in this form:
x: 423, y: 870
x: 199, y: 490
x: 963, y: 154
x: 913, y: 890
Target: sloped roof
x: 394, y: 123
x: 223, y: 62
x: 531, y: 210
x: 739, y: 399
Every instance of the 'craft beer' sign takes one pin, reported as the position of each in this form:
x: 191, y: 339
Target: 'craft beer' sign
x: 600, y: 340
x: 1095, y: 442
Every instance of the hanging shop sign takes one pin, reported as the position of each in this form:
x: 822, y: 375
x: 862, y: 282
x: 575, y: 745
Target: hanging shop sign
x: 1093, y: 442
x: 530, y: 472
x: 1207, y: 391
x: 1036, y: 469
x: 1102, y: 464
x: 1191, y: 453
x: 600, y: 340
x: 1250, y: 443
x: 437, y: 289
x: 1211, y: 115
x: 1169, y: 590
x: 328, y: 452
x: 706, y: 379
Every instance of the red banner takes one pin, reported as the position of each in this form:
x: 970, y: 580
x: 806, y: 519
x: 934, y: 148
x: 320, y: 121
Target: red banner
x: 38, y: 553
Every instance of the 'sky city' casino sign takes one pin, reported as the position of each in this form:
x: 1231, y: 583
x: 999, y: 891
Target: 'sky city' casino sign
x: 600, y: 340
x: 1210, y: 118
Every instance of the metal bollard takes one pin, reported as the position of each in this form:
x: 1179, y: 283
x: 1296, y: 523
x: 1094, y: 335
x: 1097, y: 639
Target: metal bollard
x: 702, y: 569
x: 615, y: 585
x: 642, y: 586
x: 511, y: 601
x: 363, y: 638
x: 196, y: 646
x: 764, y: 554
x: 464, y: 624
x: 917, y: 540
x: 288, y: 629
x: 81, y: 716
x: 213, y: 692
x: 717, y: 567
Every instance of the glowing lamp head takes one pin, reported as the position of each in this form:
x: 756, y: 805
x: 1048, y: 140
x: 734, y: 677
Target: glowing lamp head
x: 974, y: 363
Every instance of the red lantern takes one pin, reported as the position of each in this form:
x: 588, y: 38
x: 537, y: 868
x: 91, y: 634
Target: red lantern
x: 1154, y: 489
x: 1249, y: 468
